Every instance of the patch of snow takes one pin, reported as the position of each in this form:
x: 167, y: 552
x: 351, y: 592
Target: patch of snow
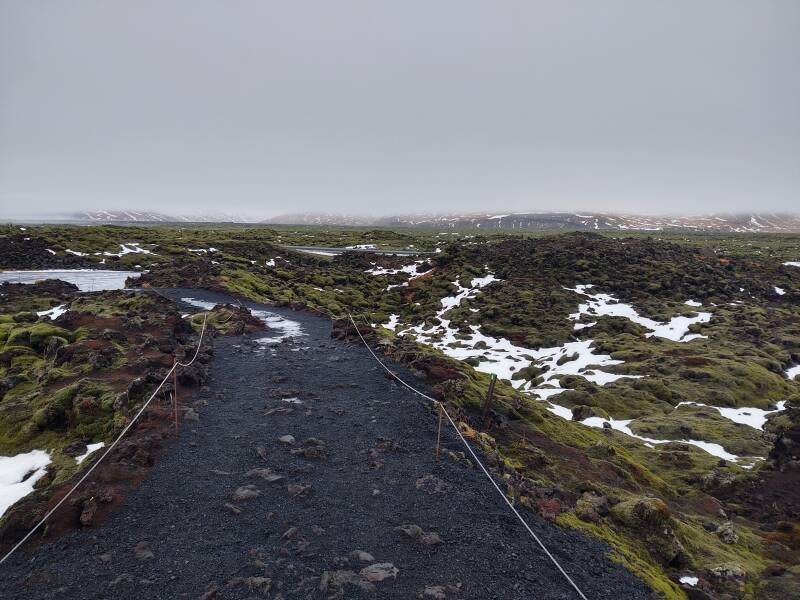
x: 270, y: 262
x: 394, y: 321
x: 792, y: 264
x: 754, y: 417
x: 692, y: 581
x: 361, y: 247
x: 285, y: 328
x: 204, y: 304
x: 560, y: 411
x: 130, y: 248
x: 53, y: 252
x: 607, y: 305
x: 793, y: 372
x: 623, y: 426
x: 87, y: 280
x: 76, y: 253
x: 779, y: 291
x: 18, y: 474
x: 693, y: 303
x: 502, y: 357
x: 53, y: 313
x: 90, y: 449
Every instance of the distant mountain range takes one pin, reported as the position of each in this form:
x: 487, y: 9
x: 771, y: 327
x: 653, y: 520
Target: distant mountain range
x: 523, y: 221
x: 138, y: 216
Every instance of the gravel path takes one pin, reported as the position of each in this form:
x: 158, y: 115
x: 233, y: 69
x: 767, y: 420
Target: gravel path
x: 354, y: 507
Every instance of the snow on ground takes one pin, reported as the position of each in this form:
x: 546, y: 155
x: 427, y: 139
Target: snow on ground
x: 18, y: 474
x: 361, y: 247
x: 692, y: 581
x: 90, y: 449
x: 694, y: 303
x: 793, y: 372
x: 623, y: 426
x: 394, y: 321
x: 503, y: 358
x: 205, y: 305
x: 202, y: 250
x: 54, y: 312
x: 606, y: 305
x: 779, y: 291
x: 87, y: 280
x: 754, y: 417
x: 284, y: 328
x: 130, y: 248
x: 76, y: 253
x: 410, y: 269
x: 270, y: 262
x: 792, y: 264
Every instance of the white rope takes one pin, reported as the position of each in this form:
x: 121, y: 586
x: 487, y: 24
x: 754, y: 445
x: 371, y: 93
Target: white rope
x: 477, y: 460
x: 175, y: 365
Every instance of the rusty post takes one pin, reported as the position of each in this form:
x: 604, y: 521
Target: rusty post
x: 487, y: 405
x: 175, y: 394
x: 439, y: 434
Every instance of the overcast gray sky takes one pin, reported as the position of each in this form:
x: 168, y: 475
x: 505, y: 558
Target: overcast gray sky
x: 393, y: 107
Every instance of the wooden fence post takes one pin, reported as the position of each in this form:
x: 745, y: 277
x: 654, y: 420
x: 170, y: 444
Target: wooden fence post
x: 439, y: 434
x: 175, y: 394
x: 487, y: 405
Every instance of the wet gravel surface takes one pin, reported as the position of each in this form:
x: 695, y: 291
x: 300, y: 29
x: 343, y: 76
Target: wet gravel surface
x: 226, y: 512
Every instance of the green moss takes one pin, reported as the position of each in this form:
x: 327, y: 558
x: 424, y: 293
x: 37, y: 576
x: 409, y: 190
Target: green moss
x: 630, y: 553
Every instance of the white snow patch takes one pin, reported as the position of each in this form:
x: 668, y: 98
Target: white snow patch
x: 53, y: 252
x: 270, y: 262
x: 394, y: 321
x: 361, y: 247
x: 792, y: 264
x: 129, y: 248
x: 76, y: 253
x: 754, y: 417
x: 623, y: 426
x: 204, y: 304
x: 13, y: 473
x: 503, y: 358
x: 692, y: 581
x: 285, y: 328
x: 793, y: 372
x: 90, y: 449
x: 779, y: 291
x: 53, y: 313
x: 607, y: 305
x: 693, y: 303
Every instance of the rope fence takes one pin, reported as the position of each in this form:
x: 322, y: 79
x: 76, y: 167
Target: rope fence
x: 94, y: 465
x: 438, y: 404
x: 478, y: 461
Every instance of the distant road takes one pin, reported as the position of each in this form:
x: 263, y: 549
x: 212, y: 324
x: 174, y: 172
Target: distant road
x: 334, y: 251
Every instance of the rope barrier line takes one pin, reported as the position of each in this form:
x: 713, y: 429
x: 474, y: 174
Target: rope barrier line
x: 477, y: 460
x: 89, y: 471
